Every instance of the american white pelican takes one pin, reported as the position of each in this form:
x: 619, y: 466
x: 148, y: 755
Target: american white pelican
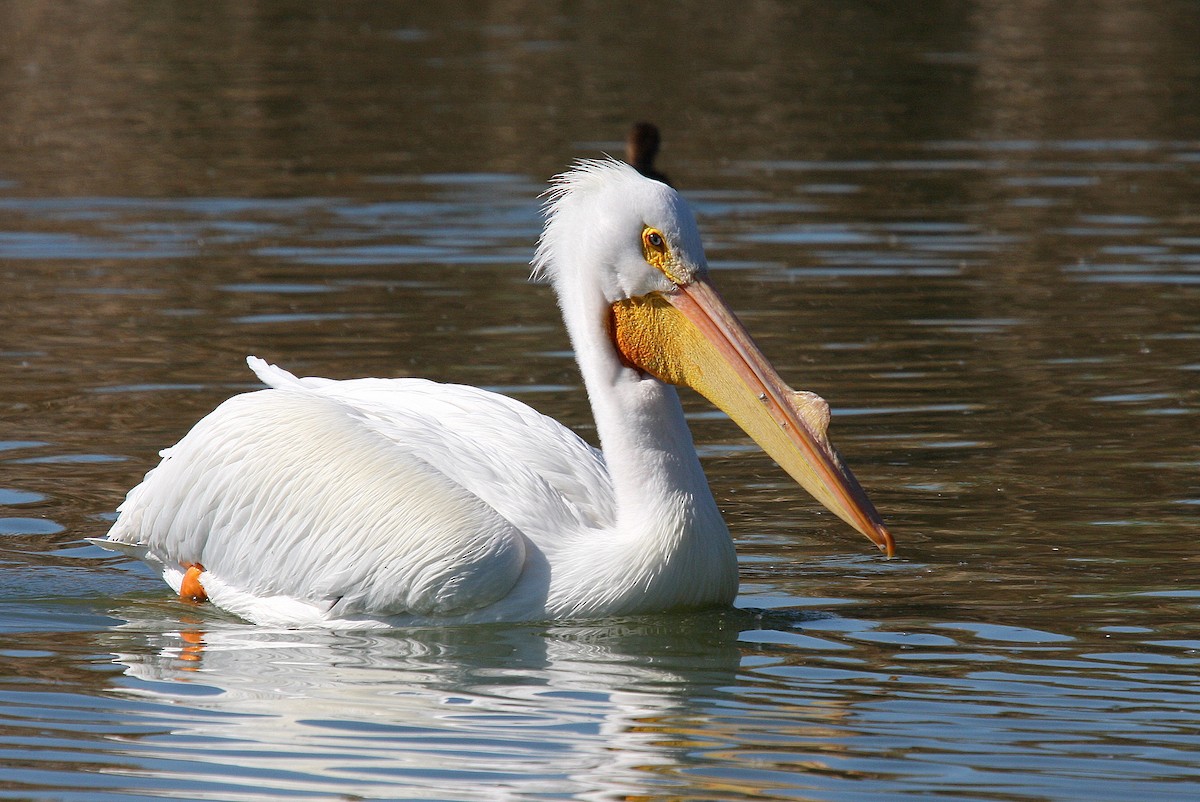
x: 384, y: 502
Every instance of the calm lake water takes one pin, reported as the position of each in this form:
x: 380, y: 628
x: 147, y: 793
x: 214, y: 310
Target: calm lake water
x: 973, y: 227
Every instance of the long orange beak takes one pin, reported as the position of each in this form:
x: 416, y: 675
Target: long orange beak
x: 690, y: 337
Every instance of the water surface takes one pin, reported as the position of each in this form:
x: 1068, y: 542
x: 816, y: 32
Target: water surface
x: 972, y: 228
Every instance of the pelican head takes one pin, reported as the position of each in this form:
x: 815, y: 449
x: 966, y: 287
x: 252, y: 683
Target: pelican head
x: 625, y: 257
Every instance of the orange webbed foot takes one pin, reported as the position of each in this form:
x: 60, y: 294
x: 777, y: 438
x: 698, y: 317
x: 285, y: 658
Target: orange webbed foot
x: 191, y: 590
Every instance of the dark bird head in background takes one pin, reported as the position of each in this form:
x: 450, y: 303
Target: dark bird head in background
x: 641, y: 146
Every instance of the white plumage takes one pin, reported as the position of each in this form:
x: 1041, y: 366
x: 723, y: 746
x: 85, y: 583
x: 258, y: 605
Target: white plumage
x: 382, y: 502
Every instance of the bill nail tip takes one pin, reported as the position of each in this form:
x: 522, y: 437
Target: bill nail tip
x: 886, y: 543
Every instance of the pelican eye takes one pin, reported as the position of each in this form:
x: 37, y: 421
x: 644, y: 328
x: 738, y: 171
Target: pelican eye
x: 658, y: 255
x: 654, y: 244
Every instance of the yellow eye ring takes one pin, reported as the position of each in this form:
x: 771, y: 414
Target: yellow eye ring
x: 658, y: 255
x: 654, y: 241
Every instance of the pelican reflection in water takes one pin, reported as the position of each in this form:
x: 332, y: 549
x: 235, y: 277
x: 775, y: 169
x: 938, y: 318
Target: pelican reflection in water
x: 385, y: 502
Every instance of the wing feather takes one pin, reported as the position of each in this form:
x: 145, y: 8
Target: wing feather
x: 537, y: 472
x: 321, y: 499
x: 280, y: 493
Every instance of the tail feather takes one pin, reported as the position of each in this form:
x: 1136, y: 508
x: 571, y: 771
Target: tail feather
x: 171, y: 574
x: 137, y: 551
x: 277, y: 377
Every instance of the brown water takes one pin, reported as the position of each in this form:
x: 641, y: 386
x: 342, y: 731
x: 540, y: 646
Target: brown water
x: 974, y: 228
